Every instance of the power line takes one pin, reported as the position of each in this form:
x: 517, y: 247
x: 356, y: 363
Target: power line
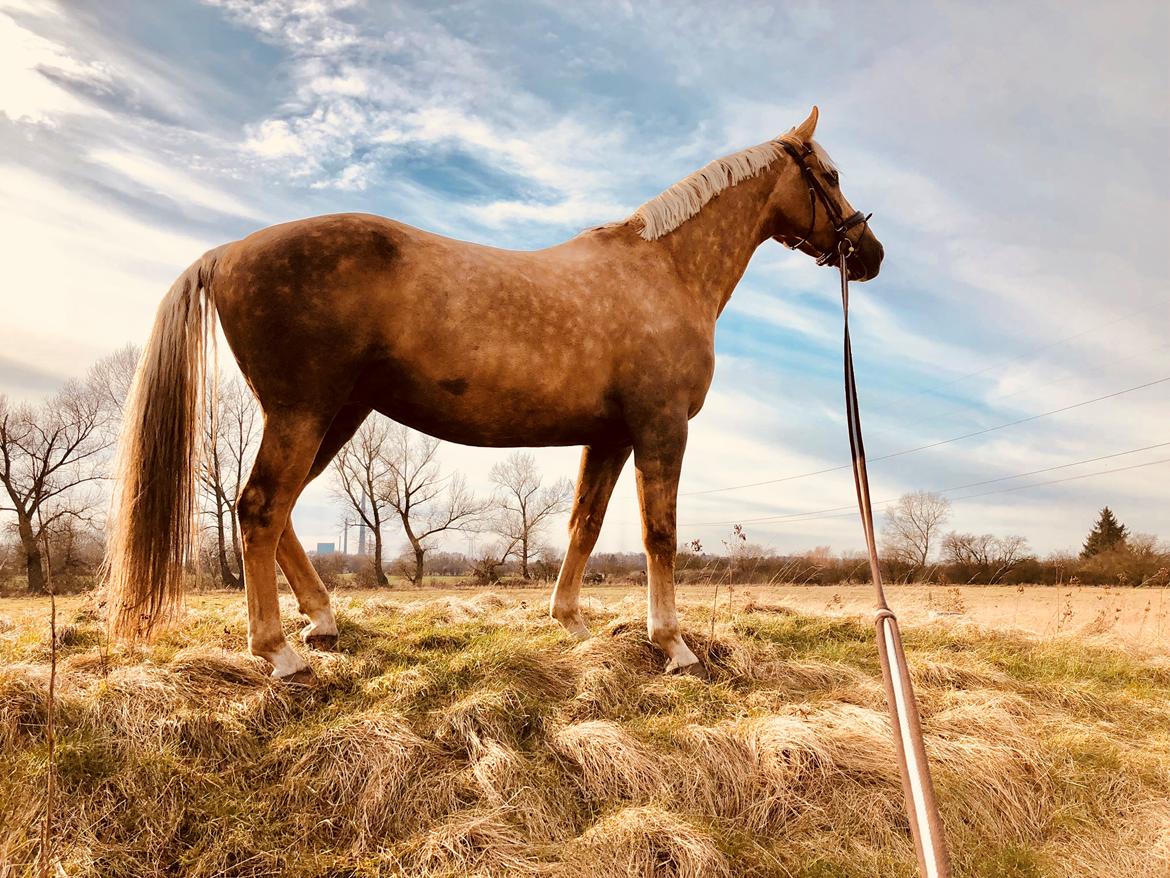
x: 1034, y: 472
x: 1000, y: 364
x: 998, y: 398
x: 968, y: 497
x: 930, y: 445
x: 818, y: 514
x: 1049, y: 469
x: 1103, y: 472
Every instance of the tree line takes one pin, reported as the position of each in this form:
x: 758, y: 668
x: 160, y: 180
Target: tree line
x: 916, y: 546
x: 56, y: 457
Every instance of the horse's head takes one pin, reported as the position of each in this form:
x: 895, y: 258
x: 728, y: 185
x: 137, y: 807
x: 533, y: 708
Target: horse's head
x: 810, y: 213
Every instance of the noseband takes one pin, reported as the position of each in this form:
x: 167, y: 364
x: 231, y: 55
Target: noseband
x: 816, y: 192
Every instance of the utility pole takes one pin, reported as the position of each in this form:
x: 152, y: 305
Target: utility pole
x: 346, y: 524
x: 362, y: 527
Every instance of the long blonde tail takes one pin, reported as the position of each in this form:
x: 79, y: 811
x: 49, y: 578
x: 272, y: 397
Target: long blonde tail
x: 151, y: 532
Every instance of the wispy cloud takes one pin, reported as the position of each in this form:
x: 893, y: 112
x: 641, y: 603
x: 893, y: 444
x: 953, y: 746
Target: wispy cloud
x: 173, y: 183
x: 1018, y: 208
x: 35, y: 72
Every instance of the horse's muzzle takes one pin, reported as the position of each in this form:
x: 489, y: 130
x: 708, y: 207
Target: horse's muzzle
x: 866, y: 259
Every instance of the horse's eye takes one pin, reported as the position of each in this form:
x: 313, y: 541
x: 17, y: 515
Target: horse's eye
x: 834, y: 178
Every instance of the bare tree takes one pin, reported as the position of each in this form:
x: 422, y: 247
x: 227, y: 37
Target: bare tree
x: 231, y: 435
x: 112, y: 376
x: 524, y: 506
x: 362, y: 476
x: 73, y: 547
x: 1011, y: 551
x: 984, y: 556
x: 52, y: 458
x: 9, y: 552
x: 486, y: 563
x: 415, y: 491
x: 912, y: 528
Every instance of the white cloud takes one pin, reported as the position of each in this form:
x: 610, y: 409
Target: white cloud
x: 274, y: 138
x: 352, y: 178
x: 574, y: 211
x: 352, y: 84
x: 419, y: 89
x: 173, y: 183
x: 783, y: 312
x: 26, y: 93
x: 299, y: 23
x: 81, y: 278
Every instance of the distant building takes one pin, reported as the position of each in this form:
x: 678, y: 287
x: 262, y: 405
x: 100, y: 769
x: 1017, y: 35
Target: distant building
x: 326, y: 548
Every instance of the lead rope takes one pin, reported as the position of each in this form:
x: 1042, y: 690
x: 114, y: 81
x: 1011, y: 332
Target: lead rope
x: 921, y: 808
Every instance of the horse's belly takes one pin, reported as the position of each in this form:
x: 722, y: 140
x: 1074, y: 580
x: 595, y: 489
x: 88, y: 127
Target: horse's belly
x: 475, y: 409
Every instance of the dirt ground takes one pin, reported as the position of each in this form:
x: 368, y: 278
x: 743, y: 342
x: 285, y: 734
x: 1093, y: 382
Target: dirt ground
x: 1133, y: 617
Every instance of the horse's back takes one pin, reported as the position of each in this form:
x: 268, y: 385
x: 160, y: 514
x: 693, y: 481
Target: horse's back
x: 472, y: 343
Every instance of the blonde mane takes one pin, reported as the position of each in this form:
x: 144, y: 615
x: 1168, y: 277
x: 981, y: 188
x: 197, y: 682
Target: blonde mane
x: 667, y: 211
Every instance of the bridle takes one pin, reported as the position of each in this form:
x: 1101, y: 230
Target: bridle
x: 816, y: 192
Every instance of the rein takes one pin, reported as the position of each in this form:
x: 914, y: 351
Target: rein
x: 929, y: 842
x: 917, y: 787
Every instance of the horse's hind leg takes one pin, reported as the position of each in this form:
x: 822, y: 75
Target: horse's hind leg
x: 284, y: 460
x: 600, y: 468
x: 658, y: 454
x: 312, y: 596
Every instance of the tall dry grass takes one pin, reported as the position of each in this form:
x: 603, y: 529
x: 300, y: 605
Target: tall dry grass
x: 470, y: 737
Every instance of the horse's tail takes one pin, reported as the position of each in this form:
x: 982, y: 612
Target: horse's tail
x: 151, y: 531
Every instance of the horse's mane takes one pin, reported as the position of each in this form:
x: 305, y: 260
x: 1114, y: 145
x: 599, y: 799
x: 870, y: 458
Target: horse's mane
x: 667, y: 211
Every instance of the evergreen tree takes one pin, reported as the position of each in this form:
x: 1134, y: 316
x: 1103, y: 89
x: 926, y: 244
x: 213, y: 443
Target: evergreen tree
x: 1107, y: 535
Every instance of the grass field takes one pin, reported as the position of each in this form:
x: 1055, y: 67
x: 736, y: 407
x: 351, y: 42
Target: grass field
x: 461, y: 733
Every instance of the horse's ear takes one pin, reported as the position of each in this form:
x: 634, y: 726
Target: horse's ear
x: 806, y: 128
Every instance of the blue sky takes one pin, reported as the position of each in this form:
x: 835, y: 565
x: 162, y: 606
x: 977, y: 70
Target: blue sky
x: 1015, y: 158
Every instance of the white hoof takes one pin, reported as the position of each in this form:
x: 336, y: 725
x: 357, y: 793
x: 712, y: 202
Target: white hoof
x: 322, y: 624
x: 695, y: 669
x: 287, y: 663
x: 679, y: 656
x: 574, y: 624
x: 321, y: 632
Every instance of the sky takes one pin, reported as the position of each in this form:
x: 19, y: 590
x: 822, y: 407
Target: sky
x: 1014, y: 157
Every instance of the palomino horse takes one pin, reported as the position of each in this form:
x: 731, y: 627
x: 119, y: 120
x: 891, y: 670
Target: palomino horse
x: 604, y: 341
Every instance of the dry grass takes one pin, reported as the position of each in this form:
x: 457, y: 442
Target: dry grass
x: 467, y: 736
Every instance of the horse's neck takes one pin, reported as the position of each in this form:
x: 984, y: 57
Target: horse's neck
x: 712, y: 249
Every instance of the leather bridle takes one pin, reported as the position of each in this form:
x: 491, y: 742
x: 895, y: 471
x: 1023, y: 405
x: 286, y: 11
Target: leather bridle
x: 816, y: 192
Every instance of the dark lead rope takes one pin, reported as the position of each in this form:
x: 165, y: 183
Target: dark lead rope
x: 917, y: 787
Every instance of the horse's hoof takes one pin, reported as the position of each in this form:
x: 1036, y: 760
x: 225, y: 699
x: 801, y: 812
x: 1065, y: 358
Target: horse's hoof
x: 323, y: 642
x: 573, y: 624
x: 303, y: 677
x: 695, y: 669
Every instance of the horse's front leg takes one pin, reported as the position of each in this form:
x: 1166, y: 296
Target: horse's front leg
x: 600, y: 468
x: 658, y: 454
